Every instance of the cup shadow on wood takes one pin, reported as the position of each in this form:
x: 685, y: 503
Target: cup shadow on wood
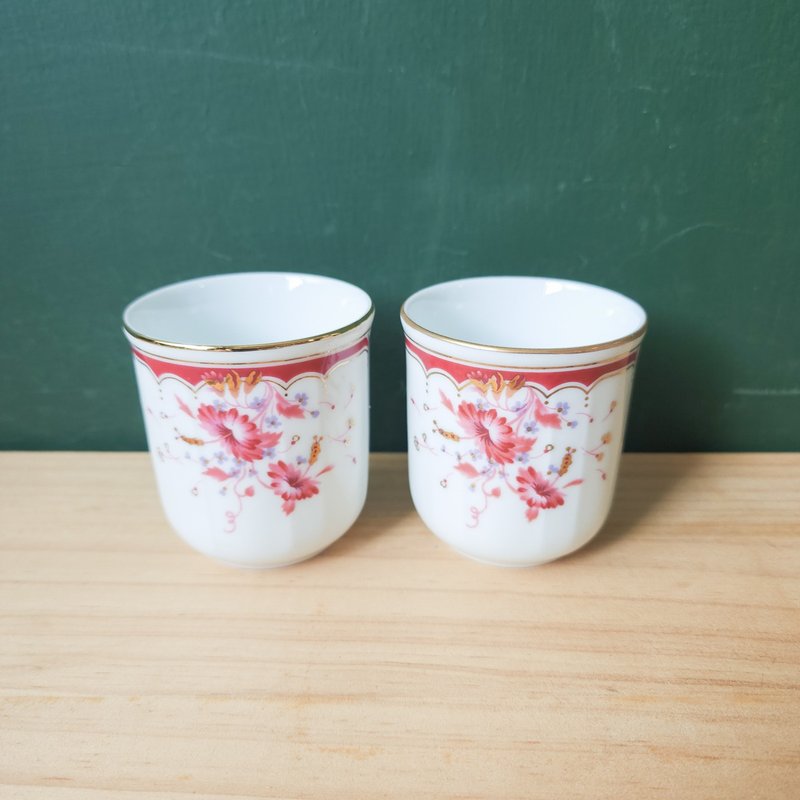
x: 677, y: 397
x: 646, y: 481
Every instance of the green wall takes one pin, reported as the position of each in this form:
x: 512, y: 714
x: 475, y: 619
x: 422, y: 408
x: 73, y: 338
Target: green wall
x: 652, y: 146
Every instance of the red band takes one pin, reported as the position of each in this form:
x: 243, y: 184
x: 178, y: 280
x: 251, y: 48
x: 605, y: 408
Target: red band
x: 548, y: 379
x: 286, y: 372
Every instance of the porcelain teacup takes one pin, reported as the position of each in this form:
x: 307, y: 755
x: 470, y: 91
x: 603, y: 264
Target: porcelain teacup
x: 254, y: 389
x: 517, y: 393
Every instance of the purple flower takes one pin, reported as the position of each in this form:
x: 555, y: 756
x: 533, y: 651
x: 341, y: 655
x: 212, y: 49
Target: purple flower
x: 301, y: 397
x: 272, y: 422
x: 301, y: 459
x: 530, y: 427
x: 562, y: 407
x: 220, y: 456
x: 315, y: 413
x: 573, y: 423
x: 269, y: 453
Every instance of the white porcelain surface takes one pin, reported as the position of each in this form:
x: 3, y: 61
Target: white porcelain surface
x: 513, y: 456
x: 260, y: 455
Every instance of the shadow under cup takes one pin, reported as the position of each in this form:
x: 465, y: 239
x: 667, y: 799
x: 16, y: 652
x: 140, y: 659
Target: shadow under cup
x: 518, y: 393
x: 254, y: 389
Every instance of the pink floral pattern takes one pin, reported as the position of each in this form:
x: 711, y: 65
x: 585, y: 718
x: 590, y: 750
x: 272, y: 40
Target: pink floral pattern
x: 236, y: 432
x: 537, y: 492
x: 234, y: 427
x: 492, y: 432
x: 498, y: 435
x: 291, y: 485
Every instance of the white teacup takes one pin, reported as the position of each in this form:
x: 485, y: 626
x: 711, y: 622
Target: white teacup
x: 254, y: 389
x: 518, y: 392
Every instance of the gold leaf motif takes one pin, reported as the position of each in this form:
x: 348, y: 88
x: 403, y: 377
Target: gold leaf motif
x: 453, y: 437
x: 566, y: 462
x: 316, y: 449
x: 497, y: 384
x: 251, y: 381
x: 232, y: 379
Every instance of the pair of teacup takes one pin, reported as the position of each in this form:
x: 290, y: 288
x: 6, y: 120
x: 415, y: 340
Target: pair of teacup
x: 254, y: 389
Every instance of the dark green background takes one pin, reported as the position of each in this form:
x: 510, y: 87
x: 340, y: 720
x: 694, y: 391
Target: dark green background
x: 652, y: 146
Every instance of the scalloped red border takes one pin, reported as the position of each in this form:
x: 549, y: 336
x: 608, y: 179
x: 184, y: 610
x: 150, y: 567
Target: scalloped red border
x: 285, y: 372
x: 585, y: 376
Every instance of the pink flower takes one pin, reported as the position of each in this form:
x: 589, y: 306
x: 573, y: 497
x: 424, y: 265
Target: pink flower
x: 494, y: 434
x: 291, y: 485
x: 537, y: 492
x: 238, y: 434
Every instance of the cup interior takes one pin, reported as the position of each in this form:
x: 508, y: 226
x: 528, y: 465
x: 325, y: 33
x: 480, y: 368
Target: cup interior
x: 244, y: 309
x: 525, y: 313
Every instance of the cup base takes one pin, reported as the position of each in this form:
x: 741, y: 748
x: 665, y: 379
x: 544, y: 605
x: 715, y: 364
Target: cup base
x: 514, y: 564
x: 278, y: 565
x: 503, y: 564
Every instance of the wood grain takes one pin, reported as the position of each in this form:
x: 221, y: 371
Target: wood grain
x: 663, y: 660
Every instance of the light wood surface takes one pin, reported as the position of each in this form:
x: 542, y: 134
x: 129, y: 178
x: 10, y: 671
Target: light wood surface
x: 663, y: 660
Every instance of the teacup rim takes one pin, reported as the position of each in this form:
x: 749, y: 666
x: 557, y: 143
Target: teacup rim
x: 589, y: 348
x: 249, y: 347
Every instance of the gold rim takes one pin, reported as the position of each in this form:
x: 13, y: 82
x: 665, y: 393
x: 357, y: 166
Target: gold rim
x: 247, y: 348
x: 523, y: 350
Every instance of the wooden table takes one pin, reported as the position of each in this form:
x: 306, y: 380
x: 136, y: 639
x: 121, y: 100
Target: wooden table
x: 663, y: 660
